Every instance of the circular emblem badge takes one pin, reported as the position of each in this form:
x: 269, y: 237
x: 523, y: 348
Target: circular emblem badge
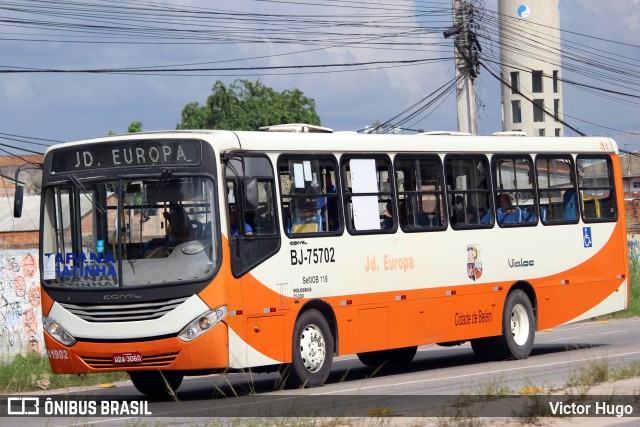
x: 524, y: 11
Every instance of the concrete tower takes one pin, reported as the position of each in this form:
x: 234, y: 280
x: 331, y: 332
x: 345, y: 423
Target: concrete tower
x: 530, y: 54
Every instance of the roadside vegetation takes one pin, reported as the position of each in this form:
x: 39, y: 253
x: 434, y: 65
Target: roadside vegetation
x: 465, y: 409
x: 634, y: 284
x: 32, y: 372
x: 634, y: 280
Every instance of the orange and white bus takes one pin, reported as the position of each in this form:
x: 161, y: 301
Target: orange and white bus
x: 176, y: 253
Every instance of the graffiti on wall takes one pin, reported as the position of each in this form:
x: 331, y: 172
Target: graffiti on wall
x: 20, y: 308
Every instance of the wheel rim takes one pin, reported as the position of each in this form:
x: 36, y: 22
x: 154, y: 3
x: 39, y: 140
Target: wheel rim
x: 519, y: 324
x: 312, y: 348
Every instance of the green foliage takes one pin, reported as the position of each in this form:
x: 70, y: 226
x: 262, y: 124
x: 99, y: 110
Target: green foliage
x: 32, y: 372
x: 634, y: 278
x: 246, y: 105
x: 594, y: 372
x: 634, y: 283
x: 135, y: 127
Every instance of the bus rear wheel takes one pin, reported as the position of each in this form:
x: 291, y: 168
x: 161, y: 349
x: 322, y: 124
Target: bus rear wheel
x: 156, y: 383
x: 518, y: 328
x: 396, y: 356
x: 312, y: 354
x: 483, y: 348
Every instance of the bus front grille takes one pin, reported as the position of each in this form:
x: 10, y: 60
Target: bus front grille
x: 126, y: 312
x: 149, y: 361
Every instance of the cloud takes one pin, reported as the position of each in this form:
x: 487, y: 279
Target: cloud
x: 69, y: 107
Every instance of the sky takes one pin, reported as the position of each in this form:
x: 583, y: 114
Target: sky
x: 72, y: 106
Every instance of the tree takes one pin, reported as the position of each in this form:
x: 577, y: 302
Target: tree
x: 246, y: 105
x: 135, y: 127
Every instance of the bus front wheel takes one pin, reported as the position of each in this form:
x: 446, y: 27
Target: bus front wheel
x: 518, y: 327
x: 312, y: 354
x: 156, y: 383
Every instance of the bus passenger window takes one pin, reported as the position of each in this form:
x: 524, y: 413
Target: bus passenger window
x: 469, y: 192
x: 371, y: 194
x: 513, y: 190
x: 596, y: 189
x: 556, y: 189
x: 421, y: 204
x: 309, y: 195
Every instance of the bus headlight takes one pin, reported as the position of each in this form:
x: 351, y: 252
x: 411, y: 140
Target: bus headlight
x: 202, y: 324
x: 57, y: 332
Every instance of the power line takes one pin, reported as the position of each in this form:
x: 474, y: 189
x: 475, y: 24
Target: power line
x: 188, y: 70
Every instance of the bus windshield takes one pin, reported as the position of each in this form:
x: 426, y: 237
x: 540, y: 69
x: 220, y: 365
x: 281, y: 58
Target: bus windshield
x: 128, y: 233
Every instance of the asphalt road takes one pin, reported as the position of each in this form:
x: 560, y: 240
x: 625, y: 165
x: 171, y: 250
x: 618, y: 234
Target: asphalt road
x: 440, y: 381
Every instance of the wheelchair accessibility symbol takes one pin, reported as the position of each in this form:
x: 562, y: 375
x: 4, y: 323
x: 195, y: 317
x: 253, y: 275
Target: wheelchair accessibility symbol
x: 586, y: 237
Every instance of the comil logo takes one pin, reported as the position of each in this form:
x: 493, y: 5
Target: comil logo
x: 23, y: 406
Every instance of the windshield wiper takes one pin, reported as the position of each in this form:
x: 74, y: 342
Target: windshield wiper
x: 86, y: 193
x: 164, y: 178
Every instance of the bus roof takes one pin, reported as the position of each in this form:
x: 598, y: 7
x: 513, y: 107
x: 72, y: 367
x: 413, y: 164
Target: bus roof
x: 351, y: 142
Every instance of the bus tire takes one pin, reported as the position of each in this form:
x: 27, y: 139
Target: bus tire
x: 312, y: 354
x: 396, y: 356
x: 483, y: 348
x: 402, y: 356
x: 518, y: 327
x: 156, y: 383
x: 374, y: 359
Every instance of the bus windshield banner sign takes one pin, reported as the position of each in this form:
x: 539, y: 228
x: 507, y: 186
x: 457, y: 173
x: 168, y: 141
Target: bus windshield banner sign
x: 127, y: 154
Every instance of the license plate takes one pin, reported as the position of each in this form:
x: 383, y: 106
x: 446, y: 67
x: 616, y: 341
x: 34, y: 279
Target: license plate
x: 127, y: 358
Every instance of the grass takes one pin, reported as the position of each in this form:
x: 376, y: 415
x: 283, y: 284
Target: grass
x: 633, y: 309
x: 598, y: 372
x: 32, y: 372
x: 535, y: 409
x: 634, y: 279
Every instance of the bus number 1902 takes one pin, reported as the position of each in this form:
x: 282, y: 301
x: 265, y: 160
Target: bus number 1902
x: 312, y: 256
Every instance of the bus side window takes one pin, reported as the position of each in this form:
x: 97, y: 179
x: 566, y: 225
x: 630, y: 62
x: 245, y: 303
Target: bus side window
x: 309, y: 195
x: 467, y: 178
x: 514, y: 193
x: 556, y: 189
x: 421, y: 198
x: 370, y: 195
x: 596, y: 188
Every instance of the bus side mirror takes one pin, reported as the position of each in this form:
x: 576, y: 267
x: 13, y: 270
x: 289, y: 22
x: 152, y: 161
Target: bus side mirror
x: 17, y: 201
x: 251, y: 194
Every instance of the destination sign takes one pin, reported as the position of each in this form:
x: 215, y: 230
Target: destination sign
x: 127, y: 154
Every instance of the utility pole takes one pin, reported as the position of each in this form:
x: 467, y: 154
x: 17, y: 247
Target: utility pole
x: 466, y: 51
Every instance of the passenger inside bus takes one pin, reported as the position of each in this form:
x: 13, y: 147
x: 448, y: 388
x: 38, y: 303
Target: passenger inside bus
x: 233, y: 220
x: 178, y: 227
x: 505, y: 203
x: 178, y: 231
x: 387, y: 217
x: 331, y: 207
x: 506, y: 212
x: 464, y: 214
x: 306, y: 218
